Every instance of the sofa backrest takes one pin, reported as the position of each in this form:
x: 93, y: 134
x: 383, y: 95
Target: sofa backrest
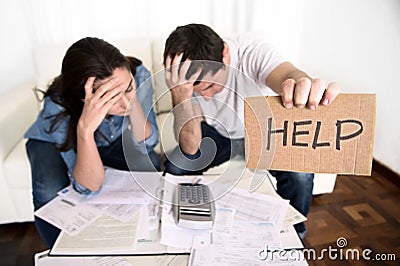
x: 161, y: 92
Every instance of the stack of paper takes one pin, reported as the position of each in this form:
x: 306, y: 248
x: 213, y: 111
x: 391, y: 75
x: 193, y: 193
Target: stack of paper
x: 124, y: 219
x: 245, y: 223
x: 120, y: 198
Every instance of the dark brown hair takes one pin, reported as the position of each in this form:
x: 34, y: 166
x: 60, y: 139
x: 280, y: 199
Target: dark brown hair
x: 88, y: 57
x: 196, y: 42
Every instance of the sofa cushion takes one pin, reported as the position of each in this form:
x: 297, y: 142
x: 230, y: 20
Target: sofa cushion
x: 165, y: 123
x: 162, y: 95
x: 20, y: 110
x: 16, y: 167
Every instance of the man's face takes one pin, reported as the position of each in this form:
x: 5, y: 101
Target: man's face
x: 211, y: 84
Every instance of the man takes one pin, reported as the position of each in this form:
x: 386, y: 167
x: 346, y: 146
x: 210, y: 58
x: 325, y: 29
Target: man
x: 208, y: 97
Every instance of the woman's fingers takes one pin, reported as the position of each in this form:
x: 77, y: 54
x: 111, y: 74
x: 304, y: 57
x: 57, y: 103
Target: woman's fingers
x: 89, y: 87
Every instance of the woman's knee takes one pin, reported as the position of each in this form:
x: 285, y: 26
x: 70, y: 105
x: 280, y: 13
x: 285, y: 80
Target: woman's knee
x: 48, y: 170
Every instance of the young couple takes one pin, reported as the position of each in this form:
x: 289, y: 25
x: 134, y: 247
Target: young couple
x: 101, y: 97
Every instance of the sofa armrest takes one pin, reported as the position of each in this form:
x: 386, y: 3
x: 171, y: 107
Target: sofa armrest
x: 18, y: 109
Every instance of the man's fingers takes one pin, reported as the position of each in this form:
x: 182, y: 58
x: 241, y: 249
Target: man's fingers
x: 295, y: 92
x: 317, y: 90
x: 301, y: 92
x: 306, y: 92
x: 287, y: 92
x: 168, y: 62
x: 175, y: 67
x: 330, y: 94
x: 172, y: 70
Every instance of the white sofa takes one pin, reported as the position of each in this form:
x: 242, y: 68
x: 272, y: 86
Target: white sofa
x: 19, y: 108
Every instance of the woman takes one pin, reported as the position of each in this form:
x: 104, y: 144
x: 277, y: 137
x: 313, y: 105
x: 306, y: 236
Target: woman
x: 97, y: 113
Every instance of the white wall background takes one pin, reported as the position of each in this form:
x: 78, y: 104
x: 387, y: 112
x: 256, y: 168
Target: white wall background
x: 354, y: 42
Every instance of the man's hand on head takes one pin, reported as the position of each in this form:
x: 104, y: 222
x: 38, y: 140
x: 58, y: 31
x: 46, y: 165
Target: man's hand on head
x: 175, y: 76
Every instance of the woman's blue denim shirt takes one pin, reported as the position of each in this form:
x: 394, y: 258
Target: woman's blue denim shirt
x: 111, y: 128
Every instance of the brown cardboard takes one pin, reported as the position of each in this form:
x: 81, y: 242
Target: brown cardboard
x: 337, y: 139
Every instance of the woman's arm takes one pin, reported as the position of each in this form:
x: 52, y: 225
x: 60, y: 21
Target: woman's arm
x: 89, y: 170
x: 142, y: 118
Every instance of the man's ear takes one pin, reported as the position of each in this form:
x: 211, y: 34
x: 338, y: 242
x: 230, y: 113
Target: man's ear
x: 226, y: 55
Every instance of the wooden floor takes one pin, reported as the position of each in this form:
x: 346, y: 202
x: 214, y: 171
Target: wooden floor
x: 362, y: 213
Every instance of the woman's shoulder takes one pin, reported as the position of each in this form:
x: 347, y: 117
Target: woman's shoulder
x: 142, y: 75
x: 141, y: 70
x: 50, y: 107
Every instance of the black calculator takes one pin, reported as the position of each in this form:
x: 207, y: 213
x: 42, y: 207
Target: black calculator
x: 193, y: 206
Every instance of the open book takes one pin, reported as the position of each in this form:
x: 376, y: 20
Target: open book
x: 108, y: 236
x: 140, y: 235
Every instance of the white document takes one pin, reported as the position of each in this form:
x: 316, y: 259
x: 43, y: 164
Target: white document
x: 250, y: 235
x: 174, y: 235
x: 204, y: 253
x: 171, y: 234
x: 290, y: 239
x: 259, y: 181
x: 293, y: 217
x: 121, y: 212
x: 68, y: 216
x: 106, y: 236
x: 121, y: 187
x: 223, y: 219
x: 255, y: 206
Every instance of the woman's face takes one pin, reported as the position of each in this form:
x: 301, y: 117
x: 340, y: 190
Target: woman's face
x: 128, y: 90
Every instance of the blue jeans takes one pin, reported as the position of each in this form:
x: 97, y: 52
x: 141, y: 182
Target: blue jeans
x: 49, y: 174
x: 293, y: 186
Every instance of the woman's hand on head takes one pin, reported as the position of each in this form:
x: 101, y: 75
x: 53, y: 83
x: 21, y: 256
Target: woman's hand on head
x: 97, y: 103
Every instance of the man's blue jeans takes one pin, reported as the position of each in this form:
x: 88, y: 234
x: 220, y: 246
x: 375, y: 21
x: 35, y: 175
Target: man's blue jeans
x: 293, y: 186
x: 49, y: 174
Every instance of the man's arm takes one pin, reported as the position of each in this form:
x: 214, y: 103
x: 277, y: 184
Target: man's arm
x: 296, y: 88
x: 187, y: 116
x: 187, y: 125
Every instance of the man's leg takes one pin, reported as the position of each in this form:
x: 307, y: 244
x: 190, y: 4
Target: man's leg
x: 296, y: 187
x: 49, y: 175
x: 179, y: 163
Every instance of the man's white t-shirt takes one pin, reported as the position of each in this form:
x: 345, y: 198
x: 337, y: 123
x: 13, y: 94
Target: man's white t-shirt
x: 251, y: 63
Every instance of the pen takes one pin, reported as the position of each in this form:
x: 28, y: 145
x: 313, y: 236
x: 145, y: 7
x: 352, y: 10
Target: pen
x: 196, y: 181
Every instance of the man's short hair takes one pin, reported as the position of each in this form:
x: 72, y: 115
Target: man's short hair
x: 196, y: 42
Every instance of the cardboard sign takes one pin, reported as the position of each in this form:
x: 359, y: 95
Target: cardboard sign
x: 337, y: 139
